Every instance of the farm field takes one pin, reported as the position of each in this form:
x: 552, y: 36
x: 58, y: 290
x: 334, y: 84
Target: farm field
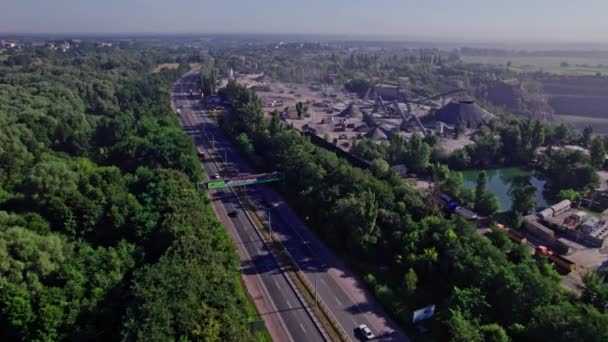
x: 550, y: 64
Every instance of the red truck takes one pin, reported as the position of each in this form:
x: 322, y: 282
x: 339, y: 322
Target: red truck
x: 200, y: 152
x: 542, y: 250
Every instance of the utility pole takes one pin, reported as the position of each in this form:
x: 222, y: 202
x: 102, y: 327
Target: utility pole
x: 269, y: 225
x: 316, y: 301
x: 226, y: 160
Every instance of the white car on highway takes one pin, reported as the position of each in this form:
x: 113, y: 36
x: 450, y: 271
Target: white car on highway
x: 365, y: 331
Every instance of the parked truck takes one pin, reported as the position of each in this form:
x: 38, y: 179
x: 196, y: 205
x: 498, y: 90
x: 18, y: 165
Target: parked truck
x: 448, y: 202
x: 563, y: 263
x: 452, y: 205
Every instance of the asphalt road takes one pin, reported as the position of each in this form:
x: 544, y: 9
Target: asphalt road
x: 336, y: 285
x: 256, y: 258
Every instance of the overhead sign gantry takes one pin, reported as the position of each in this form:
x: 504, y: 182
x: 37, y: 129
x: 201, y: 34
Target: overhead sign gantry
x: 244, y: 180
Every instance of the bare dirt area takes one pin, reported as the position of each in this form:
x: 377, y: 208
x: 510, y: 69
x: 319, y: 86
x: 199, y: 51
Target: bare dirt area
x: 338, y: 116
x: 325, y: 116
x: 450, y: 145
x: 587, y: 260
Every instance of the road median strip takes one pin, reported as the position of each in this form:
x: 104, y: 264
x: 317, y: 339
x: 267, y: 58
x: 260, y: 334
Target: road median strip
x: 331, y: 326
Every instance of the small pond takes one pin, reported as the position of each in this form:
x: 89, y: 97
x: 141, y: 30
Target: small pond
x: 502, y: 180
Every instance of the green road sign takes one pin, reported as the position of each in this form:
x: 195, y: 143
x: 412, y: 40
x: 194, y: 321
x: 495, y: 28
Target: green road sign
x: 242, y: 181
x: 216, y: 185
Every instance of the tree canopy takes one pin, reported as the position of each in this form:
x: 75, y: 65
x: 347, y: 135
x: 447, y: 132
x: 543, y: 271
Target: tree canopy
x: 103, y: 235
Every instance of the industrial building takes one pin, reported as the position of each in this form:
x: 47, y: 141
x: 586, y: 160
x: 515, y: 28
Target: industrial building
x: 575, y: 224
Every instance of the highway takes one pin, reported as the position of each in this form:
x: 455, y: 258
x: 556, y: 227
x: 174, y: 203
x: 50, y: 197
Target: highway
x: 336, y: 286
x: 283, y: 310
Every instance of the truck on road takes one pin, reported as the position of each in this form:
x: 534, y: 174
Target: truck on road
x: 201, y: 153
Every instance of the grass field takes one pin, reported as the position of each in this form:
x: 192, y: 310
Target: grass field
x: 549, y: 64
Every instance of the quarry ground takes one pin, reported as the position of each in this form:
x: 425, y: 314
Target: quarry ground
x: 600, y: 125
x: 324, y: 103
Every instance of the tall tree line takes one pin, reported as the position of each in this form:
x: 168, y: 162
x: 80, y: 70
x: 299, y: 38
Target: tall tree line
x: 103, y: 235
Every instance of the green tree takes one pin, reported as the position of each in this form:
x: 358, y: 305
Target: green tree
x: 494, y: 333
x: 469, y: 302
x: 244, y: 144
x: 523, y: 199
x: 567, y: 194
x: 355, y: 217
x: 463, y: 330
x: 410, y: 281
x: 418, y: 154
x: 300, y: 110
x: 567, y: 321
x: 538, y: 135
x: 587, y: 136
x: 561, y: 133
x: 598, y: 153
x: 488, y: 204
x: 480, y: 188
x: 595, y: 291
x: 379, y: 167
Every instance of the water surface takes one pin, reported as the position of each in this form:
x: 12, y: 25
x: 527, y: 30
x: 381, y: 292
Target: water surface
x: 501, y: 181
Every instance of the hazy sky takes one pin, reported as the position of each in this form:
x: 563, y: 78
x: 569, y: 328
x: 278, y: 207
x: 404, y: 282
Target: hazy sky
x: 528, y: 20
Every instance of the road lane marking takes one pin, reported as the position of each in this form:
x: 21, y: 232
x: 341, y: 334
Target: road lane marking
x: 302, y: 327
x: 277, y: 284
x: 337, y: 300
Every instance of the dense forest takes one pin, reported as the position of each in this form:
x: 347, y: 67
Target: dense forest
x: 103, y: 235
x: 409, y: 253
